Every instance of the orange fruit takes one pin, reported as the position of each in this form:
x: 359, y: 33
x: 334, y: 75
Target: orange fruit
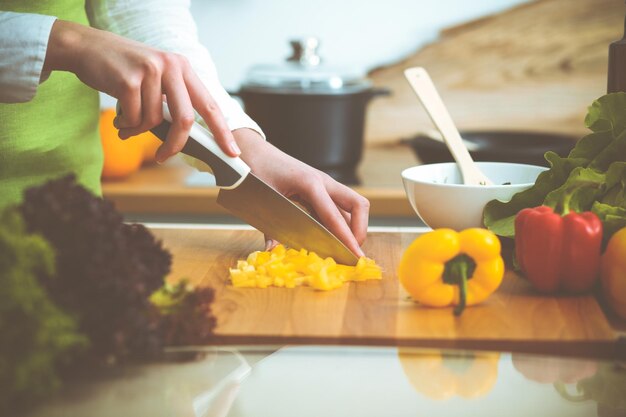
x: 150, y: 145
x: 121, y: 157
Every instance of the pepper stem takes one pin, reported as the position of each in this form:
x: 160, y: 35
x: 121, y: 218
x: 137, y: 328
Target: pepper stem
x: 562, y: 390
x: 462, y: 283
x: 565, y: 204
x: 457, y: 271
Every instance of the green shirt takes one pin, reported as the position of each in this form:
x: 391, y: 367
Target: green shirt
x: 56, y: 133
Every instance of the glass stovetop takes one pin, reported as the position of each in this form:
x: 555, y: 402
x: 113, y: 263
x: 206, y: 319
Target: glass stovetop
x: 346, y: 381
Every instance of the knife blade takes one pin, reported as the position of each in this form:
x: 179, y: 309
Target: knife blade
x: 252, y: 200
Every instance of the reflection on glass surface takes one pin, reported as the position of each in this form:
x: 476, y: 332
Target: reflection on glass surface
x: 443, y: 375
x: 602, y: 382
x: 347, y: 381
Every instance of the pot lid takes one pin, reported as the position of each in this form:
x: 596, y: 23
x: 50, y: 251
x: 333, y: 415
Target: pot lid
x: 304, y: 71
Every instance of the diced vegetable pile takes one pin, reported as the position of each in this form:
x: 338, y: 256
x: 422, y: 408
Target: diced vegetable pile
x: 289, y: 268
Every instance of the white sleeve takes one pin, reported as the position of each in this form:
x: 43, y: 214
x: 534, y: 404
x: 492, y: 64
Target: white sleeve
x: 168, y: 25
x: 23, y: 44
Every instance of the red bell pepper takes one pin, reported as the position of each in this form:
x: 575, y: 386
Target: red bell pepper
x: 558, y: 252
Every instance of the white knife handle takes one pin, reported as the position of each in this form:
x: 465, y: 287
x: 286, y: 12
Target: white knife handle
x: 228, y: 171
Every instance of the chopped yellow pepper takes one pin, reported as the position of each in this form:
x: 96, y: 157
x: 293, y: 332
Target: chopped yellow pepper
x: 443, y: 267
x: 290, y: 268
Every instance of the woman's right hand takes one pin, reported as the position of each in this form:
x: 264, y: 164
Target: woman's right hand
x: 138, y: 76
x: 339, y: 208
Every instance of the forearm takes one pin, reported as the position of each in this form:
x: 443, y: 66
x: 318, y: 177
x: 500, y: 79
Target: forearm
x: 255, y: 152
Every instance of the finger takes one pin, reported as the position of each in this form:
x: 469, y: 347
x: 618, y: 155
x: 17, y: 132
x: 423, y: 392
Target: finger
x: 270, y: 243
x: 305, y: 206
x: 211, y: 113
x: 354, y: 205
x: 128, y: 133
x: 347, y: 218
x: 345, y: 214
x: 151, y: 101
x: 330, y: 216
x: 130, y: 103
x: 152, y: 105
x: 182, y: 113
x: 309, y: 209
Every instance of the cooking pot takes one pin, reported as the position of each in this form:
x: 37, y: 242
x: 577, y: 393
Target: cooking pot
x: 310, y: 111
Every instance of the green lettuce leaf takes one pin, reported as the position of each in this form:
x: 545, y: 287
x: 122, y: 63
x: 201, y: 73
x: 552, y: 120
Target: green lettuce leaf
x: 499, y: 217
x: 607, y: 114
x: 615, y: 185
x: 37, y: 337
x: 592, y: 177
x: 613, y: 218
x: 582, y: 187
x: 613, y: 152
x: 591, y: 145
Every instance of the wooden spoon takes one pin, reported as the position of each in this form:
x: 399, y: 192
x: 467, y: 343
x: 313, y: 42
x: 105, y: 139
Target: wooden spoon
x: 427, y: 93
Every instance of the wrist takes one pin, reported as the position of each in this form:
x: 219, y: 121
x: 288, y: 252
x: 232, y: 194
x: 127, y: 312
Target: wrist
x: 247, y: 139
x: 63, y: 46
x: 254, y: 149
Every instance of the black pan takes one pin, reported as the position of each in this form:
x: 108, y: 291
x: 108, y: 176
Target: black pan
x: 496, y: 146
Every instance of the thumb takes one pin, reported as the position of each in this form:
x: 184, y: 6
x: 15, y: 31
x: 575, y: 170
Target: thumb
x: 270, y: 243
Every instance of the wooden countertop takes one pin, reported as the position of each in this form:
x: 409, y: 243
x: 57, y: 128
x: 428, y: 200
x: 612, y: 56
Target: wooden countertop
x: 162, y: 189
x: 515, y: 318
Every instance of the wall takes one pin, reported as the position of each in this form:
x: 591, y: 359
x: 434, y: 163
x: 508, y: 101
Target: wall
x: 536, y: 67
x: 360, y: 34
x: 364, y: 34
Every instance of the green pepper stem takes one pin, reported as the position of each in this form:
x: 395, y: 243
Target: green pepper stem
x: 462, y: 283
x: 562, y: 390
x: 565, y: 204
x: 458, y: 271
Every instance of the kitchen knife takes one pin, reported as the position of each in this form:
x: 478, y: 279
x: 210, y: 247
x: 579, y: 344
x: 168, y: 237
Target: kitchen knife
x: 258, y: 204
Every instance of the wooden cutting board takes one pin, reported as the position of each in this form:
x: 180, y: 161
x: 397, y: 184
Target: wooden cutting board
x: 380, y: 312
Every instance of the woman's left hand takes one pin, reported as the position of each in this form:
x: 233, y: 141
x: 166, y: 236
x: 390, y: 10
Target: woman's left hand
x: 342, y: 210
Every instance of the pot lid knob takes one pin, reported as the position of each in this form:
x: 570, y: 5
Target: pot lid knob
x: 304, y: 51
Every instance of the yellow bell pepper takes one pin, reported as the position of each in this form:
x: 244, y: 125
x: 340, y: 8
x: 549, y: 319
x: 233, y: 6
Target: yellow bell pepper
x: 613, y: 273
x: 441, y: 376
x: 443, y: 268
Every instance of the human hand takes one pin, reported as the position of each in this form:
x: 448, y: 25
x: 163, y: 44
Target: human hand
x: 343, y: 211
x: 138, y: 76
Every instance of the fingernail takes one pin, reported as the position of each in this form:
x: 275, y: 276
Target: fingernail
x: 268, y: 244
x: 234, y: 148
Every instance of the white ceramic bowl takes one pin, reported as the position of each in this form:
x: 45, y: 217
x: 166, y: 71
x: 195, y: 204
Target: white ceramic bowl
x: 440, y: 199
